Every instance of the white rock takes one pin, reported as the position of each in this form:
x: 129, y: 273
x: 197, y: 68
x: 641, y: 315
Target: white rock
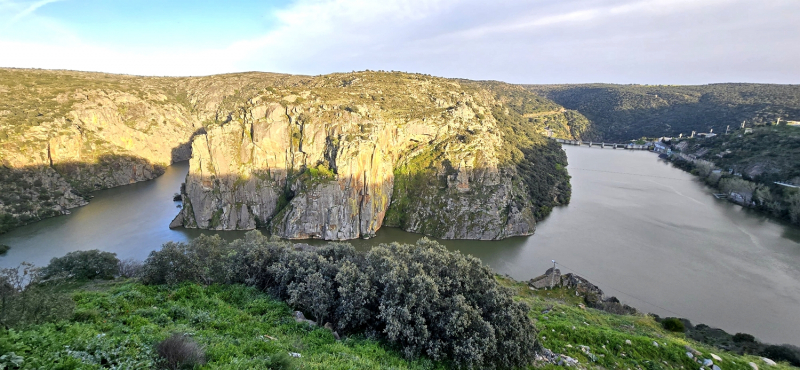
x: 689, y: 355
x: 753, y: 365
x: 715, y: 367
x: 655, y: 343
x: 628, y: 341
x: 716, y: 358
x: 708, y: 362
x: 294, y: 354
x: 768, y: 361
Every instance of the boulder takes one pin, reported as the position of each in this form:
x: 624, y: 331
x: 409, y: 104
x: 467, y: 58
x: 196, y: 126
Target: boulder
x: 299, y: 317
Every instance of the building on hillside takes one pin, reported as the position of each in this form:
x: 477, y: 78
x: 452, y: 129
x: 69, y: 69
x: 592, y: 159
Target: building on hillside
x: 706, y: 135
x: 661, y: 147
x: 748, y: 130
x: 793, y: 123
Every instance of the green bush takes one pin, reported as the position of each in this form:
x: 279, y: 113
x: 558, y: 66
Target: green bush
x: 84, y: 265
x: 673, y: 324
x: 425, y: 299
x: 24, y: 299
x: 203, y: 260
x: 4, y: 249
x: 180, y: 351
x: 743, y: 337
x: 786, y: 352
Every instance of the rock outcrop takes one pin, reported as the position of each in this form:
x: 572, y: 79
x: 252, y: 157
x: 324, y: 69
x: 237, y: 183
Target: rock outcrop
x: 65, y: 134
x: 592, y: 294
x: 336, y: 162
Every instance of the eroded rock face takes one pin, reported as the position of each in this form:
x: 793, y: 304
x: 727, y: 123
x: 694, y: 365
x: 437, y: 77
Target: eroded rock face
x: 329, y: 171
x: 331, y: 157
x: 89, y: 132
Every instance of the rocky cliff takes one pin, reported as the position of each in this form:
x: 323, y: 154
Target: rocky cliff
x: 332, y: 157
x: 65, y: 134
x: 335, y: 157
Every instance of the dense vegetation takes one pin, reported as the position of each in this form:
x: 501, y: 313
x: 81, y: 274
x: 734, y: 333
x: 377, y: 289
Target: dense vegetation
x: 624, y: 112
x: 420, y: 299
x: 746, y: 166
x: 540, y: 162
x: 213, y: 304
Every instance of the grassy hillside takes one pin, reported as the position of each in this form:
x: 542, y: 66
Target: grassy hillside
x: 625, y: 112
x: 185, y: 303
x: 599, y: 340
x: 116, y: 324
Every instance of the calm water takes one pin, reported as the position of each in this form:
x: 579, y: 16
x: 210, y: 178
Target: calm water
x: 643, y: 231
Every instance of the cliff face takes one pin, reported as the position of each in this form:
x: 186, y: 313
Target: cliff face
x: 334, y: 157
x: 65, y: 134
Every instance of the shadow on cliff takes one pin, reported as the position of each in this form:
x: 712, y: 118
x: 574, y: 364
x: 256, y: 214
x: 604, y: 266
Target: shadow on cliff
x: 32, y: 193
x: 311, y: 205
x: 183, y: 152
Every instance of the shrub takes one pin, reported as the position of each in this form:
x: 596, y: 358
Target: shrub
x: 281, y: 361
x: 421, y: 297
x: 84, y: 265
x: 180, y: 351
x: 743, y: 338
x: 786, y: 352
x: 130, y: 268
x: 25, y: 300
x: 4, y: 249
x: 673, y: 324
x: 203, y: 260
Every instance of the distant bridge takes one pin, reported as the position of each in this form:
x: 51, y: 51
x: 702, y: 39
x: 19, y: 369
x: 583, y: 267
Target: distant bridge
x: 629, y: 146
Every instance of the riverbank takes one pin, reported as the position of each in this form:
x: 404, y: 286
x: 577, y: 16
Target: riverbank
x: 585, y: 295
x: 754, y: 167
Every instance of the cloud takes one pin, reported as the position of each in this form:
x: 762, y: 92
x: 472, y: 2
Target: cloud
x: 26, y: 11
x: 526, y: 41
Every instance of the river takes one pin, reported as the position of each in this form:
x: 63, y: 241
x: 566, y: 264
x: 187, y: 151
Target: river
x: 646, y: 232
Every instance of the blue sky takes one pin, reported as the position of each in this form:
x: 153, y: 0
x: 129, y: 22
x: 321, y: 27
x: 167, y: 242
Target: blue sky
x: 521, y: 41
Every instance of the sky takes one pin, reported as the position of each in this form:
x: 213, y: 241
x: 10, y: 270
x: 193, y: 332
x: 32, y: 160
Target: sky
x: 518, y: 41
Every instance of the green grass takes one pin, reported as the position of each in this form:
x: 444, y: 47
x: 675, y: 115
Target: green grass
x: 567, y: 326
x: 240, y: 328
x: 118, y: 323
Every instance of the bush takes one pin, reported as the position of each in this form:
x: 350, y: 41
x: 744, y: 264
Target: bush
x: 743, y: 338
x: 25, y: 300
x: 203, y: 260
x: 84, y: 265
x: 281, y: 361
x: 180, y: 351
x: 786, y: 352
x: 4, y: 249
x: 130, y: 268
x: 421, y: 297
x: 673, y: 324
